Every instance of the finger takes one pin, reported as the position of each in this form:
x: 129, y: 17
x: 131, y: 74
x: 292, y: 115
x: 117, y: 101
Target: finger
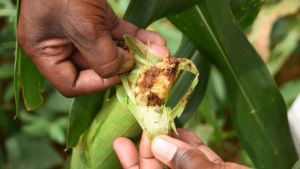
x: 70, y: 82
x: 121, y: 28
x: 190, y: 138
x: 88, y: 31
x: 161, y: 51
x: 127, y: 153
x: 147, y: 160
x: 102, y: 54
x: 51, y: 57
x: 148, y: 37
x: 118, y: 28
x: 179, y: 155
x: 210, y: 154
x: 88, y: 81
x: 79, y: 61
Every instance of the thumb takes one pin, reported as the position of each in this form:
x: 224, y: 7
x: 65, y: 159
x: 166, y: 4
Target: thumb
x: 103, y: 56
x: 179, y: 155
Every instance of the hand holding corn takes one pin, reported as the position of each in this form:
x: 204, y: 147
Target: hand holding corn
x: 184, y: 151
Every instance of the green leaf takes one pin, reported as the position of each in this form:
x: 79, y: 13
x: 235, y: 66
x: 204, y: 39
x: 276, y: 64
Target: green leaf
x: 27, y: 76
x: 297, y: 165
x: 32, y: 82
x: 82, y: 113
x: 142, y: 12
x: 255, y: 101
x: 17, y: 81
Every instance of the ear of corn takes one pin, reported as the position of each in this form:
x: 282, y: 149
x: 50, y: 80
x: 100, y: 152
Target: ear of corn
x: 145, y: 90
x: 142, y: 97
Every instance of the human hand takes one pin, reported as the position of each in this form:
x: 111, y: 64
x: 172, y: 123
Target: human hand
x: 72, y: 43
x: 184, y: 151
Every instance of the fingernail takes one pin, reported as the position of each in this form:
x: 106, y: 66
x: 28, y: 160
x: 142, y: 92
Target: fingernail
x: 163, y: 149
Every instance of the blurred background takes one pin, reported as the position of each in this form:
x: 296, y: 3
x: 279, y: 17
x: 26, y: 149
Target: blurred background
x: 36, y: 140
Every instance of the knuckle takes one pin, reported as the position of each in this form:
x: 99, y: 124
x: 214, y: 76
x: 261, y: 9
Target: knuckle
x: 191, y: 159
x: 109, y: 69
x: 84, y: 28
x: 68, y: 92
x: 107, y: 74
x: 184, y: 158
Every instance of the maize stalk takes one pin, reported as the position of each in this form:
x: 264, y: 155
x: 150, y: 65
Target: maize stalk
x: 142, y: 96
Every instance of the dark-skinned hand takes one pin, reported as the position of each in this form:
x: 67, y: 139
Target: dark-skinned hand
x: 183, y: 151
x: 72, y: 42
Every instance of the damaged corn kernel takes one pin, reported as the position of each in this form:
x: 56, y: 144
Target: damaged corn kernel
x: 146, y: 88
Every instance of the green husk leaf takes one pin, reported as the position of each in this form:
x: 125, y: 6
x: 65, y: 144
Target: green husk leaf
x: 82, y: 112
x: 94, y: 149
x: 158, y: 118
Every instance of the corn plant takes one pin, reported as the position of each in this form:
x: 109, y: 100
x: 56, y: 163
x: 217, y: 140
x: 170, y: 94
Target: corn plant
x: 214, y: 35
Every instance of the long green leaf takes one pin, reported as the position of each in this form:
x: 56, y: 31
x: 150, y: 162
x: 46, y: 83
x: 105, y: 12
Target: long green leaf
x: 17, y: 83
x: 259, y: 113
x: 27, y: 76
x: 32, y: 82
x: 82, y: 112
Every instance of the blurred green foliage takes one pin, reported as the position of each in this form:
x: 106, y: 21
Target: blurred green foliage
x: 36, y: 140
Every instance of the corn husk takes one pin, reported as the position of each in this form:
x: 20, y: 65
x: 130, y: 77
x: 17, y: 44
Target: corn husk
x: 146, y: 88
